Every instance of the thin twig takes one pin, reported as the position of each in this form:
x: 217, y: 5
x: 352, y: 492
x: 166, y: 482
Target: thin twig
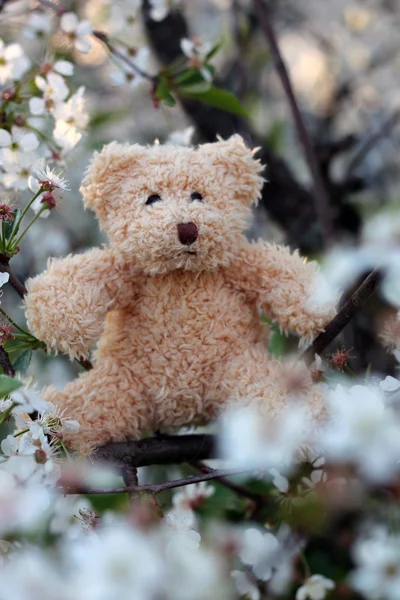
x: 384, y: 130
x: 235, y: 487
x: 156, y: 488
x: 14, y: 281
x: 346, y: 313
x: 5, y: 363
x: 321, y: 199
x: 103, y: 37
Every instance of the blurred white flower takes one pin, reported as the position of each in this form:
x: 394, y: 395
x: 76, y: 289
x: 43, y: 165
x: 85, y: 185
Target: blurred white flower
x: 123, y: 74
x: 38, y: 25
x: 4, y: 278
x: 253, y: 441
x: 160, y: 8
x: 77, y: 31
x: 54, y: 91
x: 71, y: 120
x: 362, y: 430
x: 259, y: 550
x: 13, y: 62
x: 17, y: 166
x: 117, y: 562
x: 196, y: 51
x: 315, y: 588
x: 377, y: 556
x: 192, y: 496
x: 181, y: 137
x: 280, y: 482
x: 246, y: 585
x: 22, y: 505
x: 18, y: 140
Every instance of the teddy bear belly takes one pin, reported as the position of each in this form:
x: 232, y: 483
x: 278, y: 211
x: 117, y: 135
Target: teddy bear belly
x: 176, y: 347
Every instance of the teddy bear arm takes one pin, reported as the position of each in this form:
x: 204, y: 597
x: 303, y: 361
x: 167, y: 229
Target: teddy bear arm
x: 67, y: 304
x: 284, y: 286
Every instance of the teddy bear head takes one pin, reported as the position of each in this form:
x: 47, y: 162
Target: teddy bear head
x: 173, y: 207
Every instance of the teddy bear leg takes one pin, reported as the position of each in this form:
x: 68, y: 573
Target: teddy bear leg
x: 253, y: 377
x: 109, y: 405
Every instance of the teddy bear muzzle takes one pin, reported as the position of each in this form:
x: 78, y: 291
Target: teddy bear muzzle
x: 187, y: 233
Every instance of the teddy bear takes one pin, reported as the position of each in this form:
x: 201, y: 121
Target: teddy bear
x: 174, y: 299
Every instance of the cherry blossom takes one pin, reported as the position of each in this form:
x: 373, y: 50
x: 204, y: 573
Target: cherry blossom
x: 77, y: 31
x: 13, y: 62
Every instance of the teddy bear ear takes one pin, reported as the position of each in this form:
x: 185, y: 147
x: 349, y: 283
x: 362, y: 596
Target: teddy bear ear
x: 106, y: 169
x: 239, y: 167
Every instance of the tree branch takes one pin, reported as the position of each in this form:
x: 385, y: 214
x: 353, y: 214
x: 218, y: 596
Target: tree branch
x: 14, y: 281
x: 156, y: 488
x: 159, y: 450
x: 345, y: 314
x: 321, y: 200
x: 5, y: 363
x: 258, y: 499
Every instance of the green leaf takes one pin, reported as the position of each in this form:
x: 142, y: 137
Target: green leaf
x: 213, y: 51
x: 8, y: 385
x: 219, y: 98
x: 188, y: 76
x: 106, y: 116
x: 196, y: 88
x: 162, y: 93
x: 23, y: 361
x: 10, y: 224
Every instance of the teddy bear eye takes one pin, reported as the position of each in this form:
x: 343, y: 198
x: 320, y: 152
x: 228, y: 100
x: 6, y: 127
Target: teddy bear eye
x: 153, y: 198
x: 196, y: 196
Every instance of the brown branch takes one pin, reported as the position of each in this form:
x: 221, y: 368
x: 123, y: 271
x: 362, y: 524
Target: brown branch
x: 156, y: 488
x: 103, y: 37
x: 159, y: 450
x: 321, y: 199
x: 14, y: 281
x: 346, y: 313
x: 235, y: 487
x: 5, y: 363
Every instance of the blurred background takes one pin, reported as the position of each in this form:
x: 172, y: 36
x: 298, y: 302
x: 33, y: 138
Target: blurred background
x: 344, y: 61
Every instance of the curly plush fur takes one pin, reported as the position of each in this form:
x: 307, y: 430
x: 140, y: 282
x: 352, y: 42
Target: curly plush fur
x: 178, y: 325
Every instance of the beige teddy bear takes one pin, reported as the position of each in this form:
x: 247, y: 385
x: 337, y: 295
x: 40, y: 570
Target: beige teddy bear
x: 174, y: 299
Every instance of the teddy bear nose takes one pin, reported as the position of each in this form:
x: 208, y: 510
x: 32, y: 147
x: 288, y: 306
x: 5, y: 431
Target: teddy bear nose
x: 187, y: 233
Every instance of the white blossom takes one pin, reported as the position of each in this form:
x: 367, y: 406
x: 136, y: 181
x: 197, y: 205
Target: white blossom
x: 315, y: 588
x: 124, y: 74
x: 259, y: 550
x: 197, y: 51
x: 160, y: 8
x: 377, y: 556
x: 181, y: 137
x: 245, y: 585
x: 17, y: 167
x: 38, y: 25
x: 71, y: 120
x: 47, y: 177
x: 362, y: 430
x: 77, y: 31
x: 192, y: 495
x: 13, y: 62
x: 18, y: 140
x: 4, y: 278
x: 251, y: 440
x: 54, y: 91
